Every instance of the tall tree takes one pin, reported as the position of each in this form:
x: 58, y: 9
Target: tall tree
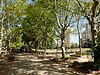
x: 12, y: 14
x: 78, y: 29
x: 39, y: 23
x: 64, y: 19
x: 92, y: 16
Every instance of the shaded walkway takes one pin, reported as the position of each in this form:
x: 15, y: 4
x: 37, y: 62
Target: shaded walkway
x: 29, y: 64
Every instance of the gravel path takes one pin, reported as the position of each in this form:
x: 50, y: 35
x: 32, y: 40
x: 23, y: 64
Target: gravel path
x: 30, y: 64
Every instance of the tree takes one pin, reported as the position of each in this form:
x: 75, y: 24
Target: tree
x: 38, y: 25
x: 64, y: 19
x: 3, y: 23
x: 12, y: 14
x: 92, y: 17
x: 79, y: 37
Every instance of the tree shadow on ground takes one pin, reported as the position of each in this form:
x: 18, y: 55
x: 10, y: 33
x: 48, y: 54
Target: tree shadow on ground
x: 31, y: 65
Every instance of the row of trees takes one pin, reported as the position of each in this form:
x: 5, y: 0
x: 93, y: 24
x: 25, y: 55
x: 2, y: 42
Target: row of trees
x: 39, y: 22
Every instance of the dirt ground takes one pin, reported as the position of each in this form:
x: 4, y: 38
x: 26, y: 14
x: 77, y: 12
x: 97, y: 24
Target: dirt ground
x: 31, y: 64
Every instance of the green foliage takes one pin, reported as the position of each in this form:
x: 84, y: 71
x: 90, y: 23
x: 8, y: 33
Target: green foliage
x: 11, y: 57
x: 16, y: 35
x: 37, y: 26
x: 17, y: 43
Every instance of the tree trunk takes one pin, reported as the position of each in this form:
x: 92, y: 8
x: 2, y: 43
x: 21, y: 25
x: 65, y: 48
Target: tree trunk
x: 95, y: 46
x: 2, y: 33
x: 79, y: 38
x: 62, y: 43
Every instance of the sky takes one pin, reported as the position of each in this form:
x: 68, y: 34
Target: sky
x: 30, y: 1
x: 74, y: 38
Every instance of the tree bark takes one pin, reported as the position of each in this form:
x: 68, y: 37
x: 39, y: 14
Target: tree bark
x: 94, y: 32
x: 62, y: 42
x: 79, y: 38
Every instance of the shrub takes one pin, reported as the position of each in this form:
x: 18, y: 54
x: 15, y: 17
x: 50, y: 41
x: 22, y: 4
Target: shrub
x: 86, y: 67
x: 76, y: 64
x: 11, y: 57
